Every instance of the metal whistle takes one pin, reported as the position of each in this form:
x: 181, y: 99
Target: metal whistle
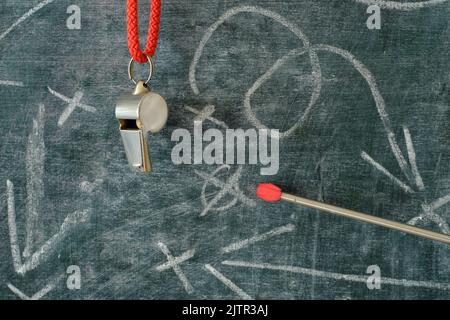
x: 138, y: 113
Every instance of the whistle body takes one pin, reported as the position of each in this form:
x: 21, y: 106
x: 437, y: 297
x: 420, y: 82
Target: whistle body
x: 138, y: 113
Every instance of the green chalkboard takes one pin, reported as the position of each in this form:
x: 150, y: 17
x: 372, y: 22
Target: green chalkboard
x: 363, y: 114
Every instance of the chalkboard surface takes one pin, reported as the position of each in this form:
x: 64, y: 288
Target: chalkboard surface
x: 364, y: 117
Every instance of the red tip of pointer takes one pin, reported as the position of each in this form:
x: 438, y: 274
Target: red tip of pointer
x: 268, y: 192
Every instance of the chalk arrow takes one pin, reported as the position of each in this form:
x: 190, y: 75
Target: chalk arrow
x: 408, y: 167
x: 35, y: 170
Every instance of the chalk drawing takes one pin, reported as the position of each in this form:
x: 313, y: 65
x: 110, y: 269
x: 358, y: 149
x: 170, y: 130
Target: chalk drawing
x: 314, y: 60
x: 379, y: 102
x: 206, y: 114
x: 11, y: 83
x: 34, y: 163
x: 409, y: 170
x: 316, y: 73
x: 405, y: 6
x: 15, y: 249
x: 41, y: 293
x: 72, y: 104
x: 338, y: 276
x: 176, y: 268
x: 241, y: 293
x: 34, y: 169
x: 174, y: 262
x: 49, y: 247
x: 260, y: 237
x: 24, y: 17
x: 231, y: 187
x: 408, y: 164
x: 440, y: 202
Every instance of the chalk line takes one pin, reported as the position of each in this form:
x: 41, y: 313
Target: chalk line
x: 206, y: 113
x: 405, y: 6
x: 72, y: 104
x: 440, y: 202
x: 339, y: 276
x: 17, y: 292
x: 176, y: 268
x: 412, y: 159
x: 24, y: 17
x: 241, y: 293
x: 38, y: 295
x: 49, y: 287
x: 260, y: 237
x: 11, y: 83
x: 175, y: 261
x: 383, y: 170
x: 13, y: 239
x: 35, y: 158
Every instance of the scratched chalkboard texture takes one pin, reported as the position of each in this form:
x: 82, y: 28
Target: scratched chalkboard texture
x: 364, y: 116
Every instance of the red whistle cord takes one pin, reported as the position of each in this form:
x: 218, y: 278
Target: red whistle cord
x: 133, y: 30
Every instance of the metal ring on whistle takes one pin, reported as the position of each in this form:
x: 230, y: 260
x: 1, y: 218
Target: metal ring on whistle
x: 150, y: 72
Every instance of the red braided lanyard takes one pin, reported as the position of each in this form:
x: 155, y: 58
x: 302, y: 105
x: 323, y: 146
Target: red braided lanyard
x: 133, y: 31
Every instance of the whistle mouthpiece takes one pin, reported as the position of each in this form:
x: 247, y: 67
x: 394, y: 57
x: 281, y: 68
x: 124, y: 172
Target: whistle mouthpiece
x: 135, y: 143
x: 268, y: 192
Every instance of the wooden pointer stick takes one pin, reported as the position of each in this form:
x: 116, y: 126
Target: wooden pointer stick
x: 271, y: 193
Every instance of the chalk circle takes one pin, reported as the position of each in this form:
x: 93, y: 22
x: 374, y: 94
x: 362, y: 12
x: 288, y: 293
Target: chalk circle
x: 317, y: 85
x: 203, y: 194
x: 314, y: 60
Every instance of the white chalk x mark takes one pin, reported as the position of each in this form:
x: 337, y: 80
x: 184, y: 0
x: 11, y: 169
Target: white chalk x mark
x: 176, y: 268
x: 72, y: 105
